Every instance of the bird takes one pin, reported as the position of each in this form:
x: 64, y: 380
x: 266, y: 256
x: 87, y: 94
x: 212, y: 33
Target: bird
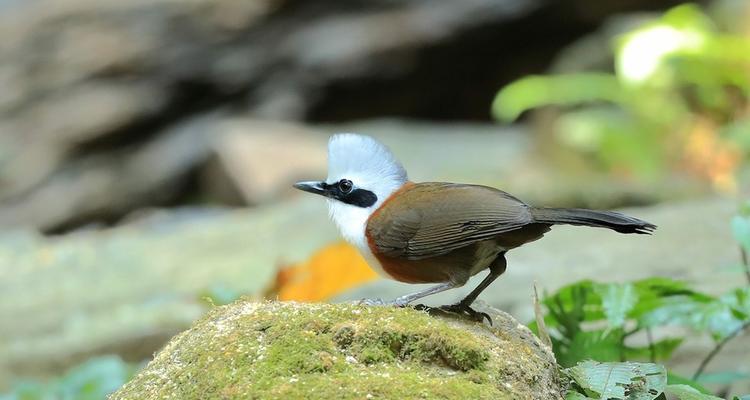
x: 435, y: 232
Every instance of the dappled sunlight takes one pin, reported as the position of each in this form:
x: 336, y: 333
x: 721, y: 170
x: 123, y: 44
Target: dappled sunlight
x: 645, y: 51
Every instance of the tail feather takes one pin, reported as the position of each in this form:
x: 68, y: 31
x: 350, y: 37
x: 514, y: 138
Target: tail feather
x: 602, y: 219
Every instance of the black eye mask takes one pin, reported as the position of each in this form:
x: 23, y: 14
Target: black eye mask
x: 357, y: 197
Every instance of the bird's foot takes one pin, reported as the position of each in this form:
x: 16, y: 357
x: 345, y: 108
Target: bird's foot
x: 466, y: 310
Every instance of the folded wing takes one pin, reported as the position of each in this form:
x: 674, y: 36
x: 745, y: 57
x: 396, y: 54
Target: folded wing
x: 433, y: 219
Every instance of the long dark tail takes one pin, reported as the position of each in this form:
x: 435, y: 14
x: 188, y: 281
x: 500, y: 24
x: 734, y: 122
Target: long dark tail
x: 602, y: 219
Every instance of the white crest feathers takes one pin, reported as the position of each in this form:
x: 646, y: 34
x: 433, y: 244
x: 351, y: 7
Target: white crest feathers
x: 364, y: 157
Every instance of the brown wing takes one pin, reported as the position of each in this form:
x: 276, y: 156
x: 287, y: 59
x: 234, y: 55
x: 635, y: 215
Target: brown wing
x: 433, y: 219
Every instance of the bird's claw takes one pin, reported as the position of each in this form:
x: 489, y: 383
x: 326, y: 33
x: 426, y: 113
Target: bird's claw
x: 466, y: 310
x: 457, y: 308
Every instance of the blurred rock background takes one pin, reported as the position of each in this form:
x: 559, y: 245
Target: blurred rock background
x: 147, y: 150
x: 108, y: 107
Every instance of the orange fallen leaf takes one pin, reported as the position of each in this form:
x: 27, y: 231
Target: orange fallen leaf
x: 331, y: 271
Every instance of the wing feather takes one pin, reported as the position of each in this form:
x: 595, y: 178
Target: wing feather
x: 433, y: 219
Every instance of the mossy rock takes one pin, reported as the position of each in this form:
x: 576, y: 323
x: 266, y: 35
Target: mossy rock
x: 273, y: 350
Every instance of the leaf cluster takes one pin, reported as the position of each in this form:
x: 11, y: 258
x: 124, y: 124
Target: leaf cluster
x: 589, y: 320
x: 627, y: 380
x: 591, y: 325
x: 675, y: 100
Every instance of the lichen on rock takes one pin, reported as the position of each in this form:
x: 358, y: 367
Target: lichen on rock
x: 277, y: 350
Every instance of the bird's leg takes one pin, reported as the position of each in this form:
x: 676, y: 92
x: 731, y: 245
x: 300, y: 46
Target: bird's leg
x: 464, y: 306
x: 406, y: 299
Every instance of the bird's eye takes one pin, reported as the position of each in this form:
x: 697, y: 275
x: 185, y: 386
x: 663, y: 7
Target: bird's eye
x: 345, y: 186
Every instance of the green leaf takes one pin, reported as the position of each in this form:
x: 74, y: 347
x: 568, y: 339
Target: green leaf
x: 662, y: 286
x: 572, y: 395
x: 570, y: 89
x: 617, y: 300
x: 685, y: 392
x: 652, y: 293
x: 571, y: 306
x: 635, y: 381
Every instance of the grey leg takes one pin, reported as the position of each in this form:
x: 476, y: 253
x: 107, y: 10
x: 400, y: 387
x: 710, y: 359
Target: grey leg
x: 406, y: 299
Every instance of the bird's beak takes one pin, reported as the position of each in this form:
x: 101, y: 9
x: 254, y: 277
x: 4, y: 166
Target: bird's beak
x: 312, y: 187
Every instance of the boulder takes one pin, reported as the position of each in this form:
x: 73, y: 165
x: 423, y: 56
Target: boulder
x: 274, y: 350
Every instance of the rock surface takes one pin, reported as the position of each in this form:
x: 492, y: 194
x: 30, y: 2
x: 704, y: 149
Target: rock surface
x: 346, y: 351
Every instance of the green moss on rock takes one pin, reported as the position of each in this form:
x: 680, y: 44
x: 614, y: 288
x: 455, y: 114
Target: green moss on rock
x: 275, y: 350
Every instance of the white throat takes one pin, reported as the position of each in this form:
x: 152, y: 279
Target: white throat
x: 351, y: 221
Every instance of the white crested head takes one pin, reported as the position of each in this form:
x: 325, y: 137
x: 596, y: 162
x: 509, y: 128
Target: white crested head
x: 371, y: 167
x: 366, y: 162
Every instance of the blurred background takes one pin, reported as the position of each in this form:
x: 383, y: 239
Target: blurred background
x: 147, y: 150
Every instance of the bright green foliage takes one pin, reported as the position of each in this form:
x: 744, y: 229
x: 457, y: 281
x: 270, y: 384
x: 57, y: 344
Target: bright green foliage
x: 92, y: 380
x: 617, y: 311
x: 719, y: 317
x: 571, y: 89
x: 617, y: 301
x: 674, y: 76
x: 636, y: 381
x: 590, y: 323
x: 610, y: 307
x: 627, y: 380
x: 685, y: 392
